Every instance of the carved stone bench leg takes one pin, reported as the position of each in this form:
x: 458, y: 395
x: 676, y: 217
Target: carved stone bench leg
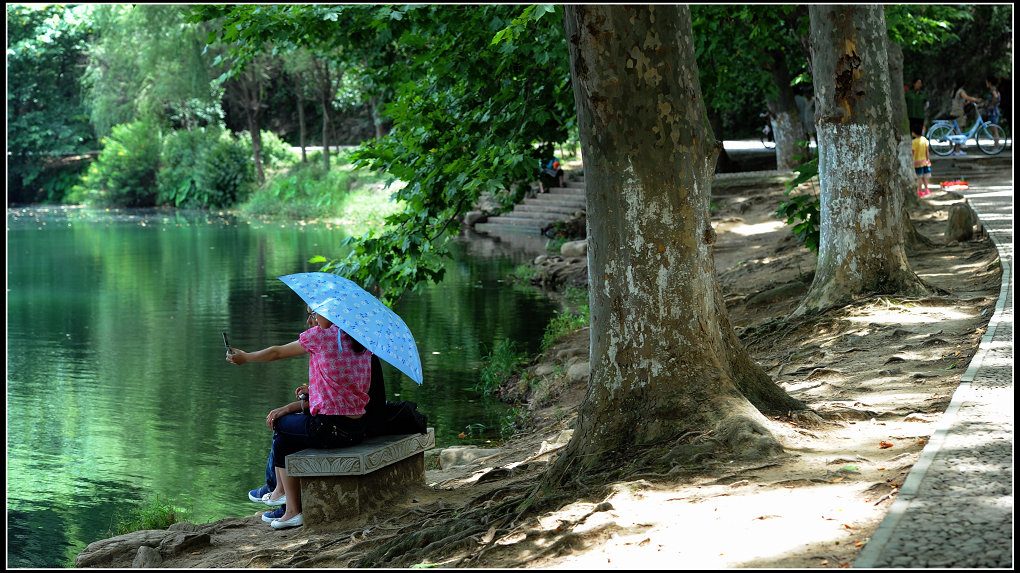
x: 331, y: 499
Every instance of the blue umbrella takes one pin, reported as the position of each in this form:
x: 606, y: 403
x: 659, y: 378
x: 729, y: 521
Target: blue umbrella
x: 362, y: 316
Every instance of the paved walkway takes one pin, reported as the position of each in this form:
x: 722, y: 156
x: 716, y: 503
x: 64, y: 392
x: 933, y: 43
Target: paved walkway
x: 955, y: 508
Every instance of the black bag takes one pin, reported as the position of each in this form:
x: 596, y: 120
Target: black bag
x: 403, y: 418
x: 390, y: 418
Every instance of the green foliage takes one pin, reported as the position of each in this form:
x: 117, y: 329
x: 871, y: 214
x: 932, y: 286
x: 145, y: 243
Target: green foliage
x: 500, y: 365
x: 308, y: 191
x: 46, y: 45
x: 576, y: 298
x: 921, y: 26
x: 515, y: 420
x: 735, y: 47
x: 563, y: 324
x: 224, y: 172
x: 146, y: 62
x: 177, y: 181
x: 124, y: 173
x: 524, y: 273
x: 276, y: 153
x: 977, y: 38
x: 200, y: 168
x: 467, y: 112
x: 802, y: 211
x: 156, y: 514
x: 58, y: 180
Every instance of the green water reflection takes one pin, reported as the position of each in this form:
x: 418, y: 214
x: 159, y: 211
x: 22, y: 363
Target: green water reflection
x: 117, y: 387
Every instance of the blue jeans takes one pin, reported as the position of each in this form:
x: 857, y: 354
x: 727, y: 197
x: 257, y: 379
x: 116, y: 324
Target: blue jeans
x: 270, y: 471
x: 295, y: 432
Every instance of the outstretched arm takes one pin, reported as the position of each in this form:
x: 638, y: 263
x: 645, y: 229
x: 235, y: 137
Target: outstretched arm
x: 270, y: 354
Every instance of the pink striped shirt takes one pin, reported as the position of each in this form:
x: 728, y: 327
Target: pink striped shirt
x: 338, y: 380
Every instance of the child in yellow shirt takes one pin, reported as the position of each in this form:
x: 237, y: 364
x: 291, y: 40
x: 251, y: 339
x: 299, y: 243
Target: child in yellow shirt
x: 922, y: 162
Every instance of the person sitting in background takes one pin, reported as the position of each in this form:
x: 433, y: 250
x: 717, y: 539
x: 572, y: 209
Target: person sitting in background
x: 552, y: 171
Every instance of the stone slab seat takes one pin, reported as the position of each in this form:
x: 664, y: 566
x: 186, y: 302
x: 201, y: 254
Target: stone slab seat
x: 342, y: 483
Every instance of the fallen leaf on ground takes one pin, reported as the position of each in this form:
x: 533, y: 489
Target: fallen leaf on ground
x: 884, y: 445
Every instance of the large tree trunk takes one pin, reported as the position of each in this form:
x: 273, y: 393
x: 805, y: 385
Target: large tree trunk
x: 326, y: 90
x: 724, y: 163
x: 862, y: 248
x: 302, y: 127
x: 377, y: 119
x: 901, y: 124
x: 912, y: 239
x: 252, y: 87
x: 786, y: 121
x: 665, y: 359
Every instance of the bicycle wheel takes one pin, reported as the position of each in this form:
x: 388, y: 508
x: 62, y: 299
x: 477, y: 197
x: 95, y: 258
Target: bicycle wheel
x: 937, y: 140
x: 991, y: 139
x: 767, y: 141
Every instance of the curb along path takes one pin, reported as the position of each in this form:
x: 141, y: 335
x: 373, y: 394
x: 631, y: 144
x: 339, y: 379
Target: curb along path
x: 955, y: 508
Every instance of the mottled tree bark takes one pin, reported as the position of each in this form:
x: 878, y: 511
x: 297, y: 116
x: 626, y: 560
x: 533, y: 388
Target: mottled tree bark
x: 912, y: 239
x: 665, y: 359
x: 862, y: 246
x: 724, y: 163
x: 787, y: 124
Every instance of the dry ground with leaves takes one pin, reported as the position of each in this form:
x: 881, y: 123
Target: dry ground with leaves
x: 878, y: 374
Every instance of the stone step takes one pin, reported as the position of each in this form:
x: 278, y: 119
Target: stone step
x: 525, y: 219
x: 539, y: 210
x: 563, y: 191
x: 555, y: 203
x: 497, y: 227
x: 564, y: 209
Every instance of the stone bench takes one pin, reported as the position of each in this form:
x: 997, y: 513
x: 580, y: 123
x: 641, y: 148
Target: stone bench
x: 340, y: 483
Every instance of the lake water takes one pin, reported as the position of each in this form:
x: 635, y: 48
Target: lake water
x: 117, y: 387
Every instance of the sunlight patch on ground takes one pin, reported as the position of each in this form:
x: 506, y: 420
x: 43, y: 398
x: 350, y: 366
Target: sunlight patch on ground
x: 758, y: 229
x: 915, y: 315
x: 659, y: 529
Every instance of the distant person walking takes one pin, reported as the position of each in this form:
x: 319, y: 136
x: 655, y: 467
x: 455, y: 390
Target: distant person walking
x: 991, y: 107
x: 917, y: 106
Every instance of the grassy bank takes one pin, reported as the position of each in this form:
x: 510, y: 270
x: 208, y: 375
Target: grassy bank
x: 306, y: 191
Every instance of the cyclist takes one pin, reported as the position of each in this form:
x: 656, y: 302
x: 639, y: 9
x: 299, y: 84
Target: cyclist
x: 960, y: 99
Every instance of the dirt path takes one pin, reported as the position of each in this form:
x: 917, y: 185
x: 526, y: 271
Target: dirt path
x: 878, y: 373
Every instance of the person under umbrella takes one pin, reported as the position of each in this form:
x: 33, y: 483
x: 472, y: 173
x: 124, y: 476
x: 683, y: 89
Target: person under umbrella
x: 339, y: 376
